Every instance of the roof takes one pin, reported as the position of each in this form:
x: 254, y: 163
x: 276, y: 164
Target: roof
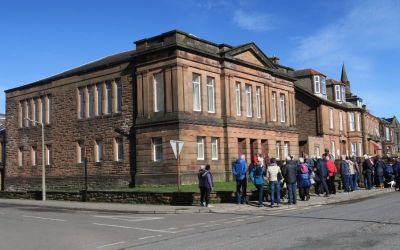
x: 332, y: 82
x: 306, y: 72
x: 343, y: 77
x: 97, y: 64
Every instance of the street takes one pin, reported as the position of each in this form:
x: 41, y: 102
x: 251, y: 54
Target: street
x: 372, y: 223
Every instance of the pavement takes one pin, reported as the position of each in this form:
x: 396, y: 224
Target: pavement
x: 251, y: 208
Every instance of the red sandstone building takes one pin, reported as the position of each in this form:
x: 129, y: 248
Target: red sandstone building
x: 121, y: 112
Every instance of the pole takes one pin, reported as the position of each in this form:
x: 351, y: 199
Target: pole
x: 43, y: 166
x: 179, y: 170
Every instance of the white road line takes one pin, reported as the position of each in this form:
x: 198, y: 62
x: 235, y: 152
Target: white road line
x: 127, y: 218
x: 228, y: 222
x: 193, y: 225
x: 112, y: 244
x: 148, y: 237
x: 184, y: 230
x: 212, y: 225
x: 42, y: 218
x: 136, y: 228
x: 212, y: 221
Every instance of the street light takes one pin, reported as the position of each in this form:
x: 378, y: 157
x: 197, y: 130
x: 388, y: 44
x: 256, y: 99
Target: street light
x: 43, y: 163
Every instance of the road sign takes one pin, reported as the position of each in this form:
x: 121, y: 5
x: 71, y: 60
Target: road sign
x: 175, y: 144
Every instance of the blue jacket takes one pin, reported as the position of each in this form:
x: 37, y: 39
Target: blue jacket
x: 239, y: 169
x: 379, y: 166
x: 303, y: 180
x: 257, y: 175
x: 388, y: 169
x: 344, y: 168
x: 322, y: 169
x: 396, y: 168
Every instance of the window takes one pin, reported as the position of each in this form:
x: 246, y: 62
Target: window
x: 358, y: 122
x: 351, y: 121
x: 108, y: 98
x: 317, y: 89
x: 42, y: 110
x: 27, y: 113
x: 91, y: 102
x: 211, y: 94
x: 118, y: 149
x: 200, y: 148
x: 98, y: 151
x: 331, y: 118
x: 353, y: 149
x: 157, y: 149
x: 341, y: 121
x: 214, y: 148
x: 286, y: 149
x: 249, y: 105
x: 323, y: 85
x: 278, y: 150
x: 258, y: 102
x: 1, y: 152
x: 20, y: 157
x: 273, y: 107
x: 81, y: 103
x: 387, y: 134
x: 158, y: 92
x: 47, y: 109
x: 118, y: 99
x: 99, y: 99
x: 343, y: 94
x: 196, y: 92
x: 35, y: 111
x: 49, y: 155
x: 238, y: 103
x: 338, y: 95
x: 33, y: 155
x: 80, y: 152
x: 283, y: 107
x: 333, y: 148
x: 316, y: 151
x: 20, y: 114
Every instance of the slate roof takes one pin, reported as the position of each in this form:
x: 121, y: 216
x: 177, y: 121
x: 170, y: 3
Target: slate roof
x: 306, y: 72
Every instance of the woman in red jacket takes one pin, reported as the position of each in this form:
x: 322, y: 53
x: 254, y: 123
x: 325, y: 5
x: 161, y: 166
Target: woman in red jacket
x: 331, y: 175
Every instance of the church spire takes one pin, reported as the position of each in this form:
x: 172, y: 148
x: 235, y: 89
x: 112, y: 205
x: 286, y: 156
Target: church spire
x: 343, y: 78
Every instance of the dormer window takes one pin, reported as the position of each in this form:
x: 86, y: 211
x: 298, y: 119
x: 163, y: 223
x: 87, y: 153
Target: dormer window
x: 323, y: 85
x: 317, y: 88
x: 338, y: 95
x: 343, y: 93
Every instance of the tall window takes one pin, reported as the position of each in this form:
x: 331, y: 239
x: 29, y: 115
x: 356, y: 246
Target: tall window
x: 286, y: 149
x: 33, y: 155
x: 159, y: 92
x: 80, y: 152
x: 283, y: 107
x: 118, y: 99
x: 278, y: 150
x: 351, y: 121
x: 20, y: 156
x: 81, y: 99
x: 338, y: 95
x: 341, y: 121
x: 35, y: 111
x: 157, y: 149
x: 214, y: 148
x: 118, y: 149
x: 343, y: 94
x: 211, y: 94
x: 249, y: 104
x: 238, y: 102
x: 333, y: 148
x: 200, y: 148
x: 91, y: 101
x: 323, y: 85
x: 258, y: 102
x: 358, y: 122
x: 331, y: 118
x: 196, y: 92
x: 387, y: 134
x: 317, y: 151
x: 360, y: 153
x: 20, y: 114
x: 47, y: 109
x: 99, y: 93
x: 49, y: 155
x: 317, y: 88
x: 354, y: 149
x: 273, y: 106
x: 98, y: 151
x: 28, y: 113
x: 108, y: 98
x: 42, y: 118
x: 1, y: 152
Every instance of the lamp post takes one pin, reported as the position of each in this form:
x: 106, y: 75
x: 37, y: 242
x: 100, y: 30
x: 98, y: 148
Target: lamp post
x: 43, y: 162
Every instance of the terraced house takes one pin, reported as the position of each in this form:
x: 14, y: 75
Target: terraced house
x: 119, y: 114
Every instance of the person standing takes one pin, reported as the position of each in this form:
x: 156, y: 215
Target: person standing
x: 208, y: 183
x: 356, y: 176
x: 202, y: 186
x: 345, y: 172
x: 257, y: 177
x: 239, y: 171
x: 303, y: 180
x: 290, y: 174
x: 396, y: 172
x: 379, y: 167
x: 272, y: 175
x: 368, y: 169
x: 352, y: 174
x: 332, y: 170
x: 322, y: 174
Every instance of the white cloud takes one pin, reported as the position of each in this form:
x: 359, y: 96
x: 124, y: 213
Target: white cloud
x: 252, y: 21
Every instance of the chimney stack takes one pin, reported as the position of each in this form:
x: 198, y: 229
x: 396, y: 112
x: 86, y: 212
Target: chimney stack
x: 275, y: 59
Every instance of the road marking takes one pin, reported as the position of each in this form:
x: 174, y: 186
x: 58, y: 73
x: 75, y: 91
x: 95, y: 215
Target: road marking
x: 112, y: 244
x: 238, y: 220
x: 42, y: 218
x: 127, y: 218
x: 148, y: 237
x: 228, y: 222
x: 212, y: 225
x: 193, y: 225
x: 136, y: 228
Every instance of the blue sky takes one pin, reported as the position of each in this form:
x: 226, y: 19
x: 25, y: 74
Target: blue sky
x: 42, y: 38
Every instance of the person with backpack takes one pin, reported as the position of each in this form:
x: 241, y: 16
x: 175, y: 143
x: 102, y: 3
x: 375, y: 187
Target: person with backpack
x: 257, y: 177
x: 303, y: 180
x: 202, y: 188
x: 332, y: 170
x: 208, y: 183
x: 290, y: 175
x: 388, y: 171
x: 239, y: 171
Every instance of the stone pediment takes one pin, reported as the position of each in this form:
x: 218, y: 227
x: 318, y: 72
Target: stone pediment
x: 251, y: 54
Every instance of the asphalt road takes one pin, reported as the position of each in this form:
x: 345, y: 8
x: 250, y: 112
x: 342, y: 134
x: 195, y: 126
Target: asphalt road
x: 373, y: 223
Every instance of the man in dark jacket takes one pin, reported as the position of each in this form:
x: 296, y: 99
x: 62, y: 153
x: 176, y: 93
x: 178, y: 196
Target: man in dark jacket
x: 322, y: 173
x: 396, y: 173
x: 290, y: 174
x: 368, y: 169
x: 239, y: 170
x: 345, y: 172
x: 379, y: 167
